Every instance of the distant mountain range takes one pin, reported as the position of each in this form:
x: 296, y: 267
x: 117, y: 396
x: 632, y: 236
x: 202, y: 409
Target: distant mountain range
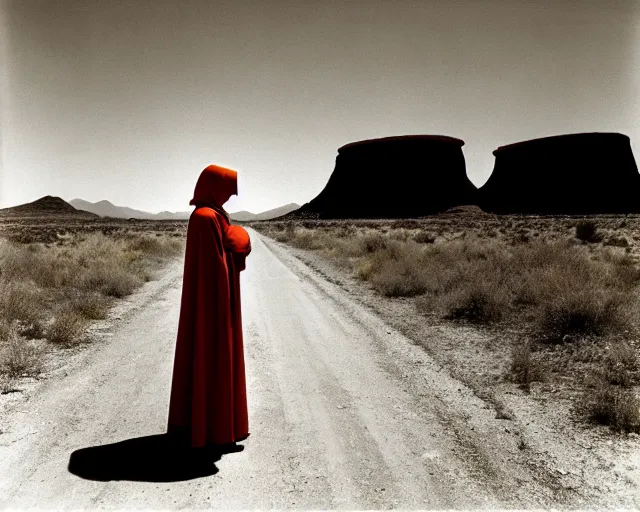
x: 269, y: 214
x: 106, y: 209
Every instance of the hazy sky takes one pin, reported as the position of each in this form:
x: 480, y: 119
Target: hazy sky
x: 129, y: 100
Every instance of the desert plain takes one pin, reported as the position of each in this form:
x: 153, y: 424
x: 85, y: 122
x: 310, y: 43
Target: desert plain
x: 516, y: 335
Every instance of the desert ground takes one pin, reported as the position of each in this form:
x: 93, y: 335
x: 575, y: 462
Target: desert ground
x: 463, y: 360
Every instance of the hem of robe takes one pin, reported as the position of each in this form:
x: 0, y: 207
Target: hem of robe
x: 183, y: 433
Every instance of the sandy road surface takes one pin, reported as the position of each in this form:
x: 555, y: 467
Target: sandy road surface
x: 344, y: 413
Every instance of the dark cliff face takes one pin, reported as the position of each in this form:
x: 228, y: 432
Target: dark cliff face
x: 395, y: 177
x: 580, y: 173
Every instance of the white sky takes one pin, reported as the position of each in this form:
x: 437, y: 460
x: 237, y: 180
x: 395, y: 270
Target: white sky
x: 128, y: 101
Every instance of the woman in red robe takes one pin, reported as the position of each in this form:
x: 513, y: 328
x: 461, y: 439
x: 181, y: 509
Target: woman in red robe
x: 208, y: 402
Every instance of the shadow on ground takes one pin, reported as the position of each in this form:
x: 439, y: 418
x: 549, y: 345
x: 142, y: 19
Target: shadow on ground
x: 156, y: 458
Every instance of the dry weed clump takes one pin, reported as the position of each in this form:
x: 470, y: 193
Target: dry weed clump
x: 7, y: 384
x: 92, y: 306
x: 424, y: 237
x: 611, y: 405
x: 157, y: 245
x: 587, y: 231
x: 5, y: 330
x: 616, y: 241
x: 67, y: 327
x: 307, y: 239
x: 21, y: 303
x: 20, y: 357
x: 109, y: 279
x: 372, y: 243
x: 480, y: 303
x: 620, y: 366
x: 525, y: 368
x: 584, y: 312
x: 395, y: 271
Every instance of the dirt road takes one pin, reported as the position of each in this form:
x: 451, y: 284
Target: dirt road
x: 344, y: 413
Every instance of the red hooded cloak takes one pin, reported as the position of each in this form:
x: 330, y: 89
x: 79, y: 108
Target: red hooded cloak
x: 208, y: 392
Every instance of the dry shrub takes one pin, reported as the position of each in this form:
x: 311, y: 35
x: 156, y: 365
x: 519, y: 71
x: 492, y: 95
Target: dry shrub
x: 616, y: 241
x: 620, y: 364
x: 587, y: 311
x: 393, y: 268
x: 66, y: 328
x: 307, y: 239
x: 20, y: 300
x: 465, y: 280
x: 556, y: 284
x: 587, y: 231
x: 525, y: 369
x: 373, y: 242
x: 20, y: 357
x: 400, y: 235
x: 155, y: 246
x: 33, y: 330
x: 623, y: 273
x: 571, y: 293
x: 402, y: 278
x: 92, y: 306
x: 345, y: 231
x: 611, y: 405
x: 7, y: 384
x: 364, y: 269
x: 479, y: 302
x: 109, y: 279
x: 5, y: 329
x: 424, y: 237
x: 280, y: 232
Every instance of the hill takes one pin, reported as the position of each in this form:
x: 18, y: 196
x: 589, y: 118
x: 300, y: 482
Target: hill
x: 242, y: 215
x: 269, y: 214
x: 46, y: 206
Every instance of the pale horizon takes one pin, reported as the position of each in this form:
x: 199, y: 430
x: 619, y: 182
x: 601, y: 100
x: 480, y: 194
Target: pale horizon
x: 128, y: 103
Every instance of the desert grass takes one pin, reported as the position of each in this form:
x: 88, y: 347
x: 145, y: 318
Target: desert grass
x: 619, y: 365
x: 92, y: 306
x: 525, y: 367
x: 51, y: 291
x: 558, y: 288
x: 607, y: 404
x: 66, y: 328
x: 19, y: 357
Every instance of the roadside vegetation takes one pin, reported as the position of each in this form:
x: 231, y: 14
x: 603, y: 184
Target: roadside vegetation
x: 50, y: 292
x: 552, y: 284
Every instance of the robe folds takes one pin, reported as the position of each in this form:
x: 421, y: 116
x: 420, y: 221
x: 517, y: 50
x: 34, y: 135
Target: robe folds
x: 208, y: 391
x: 238, y: 247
